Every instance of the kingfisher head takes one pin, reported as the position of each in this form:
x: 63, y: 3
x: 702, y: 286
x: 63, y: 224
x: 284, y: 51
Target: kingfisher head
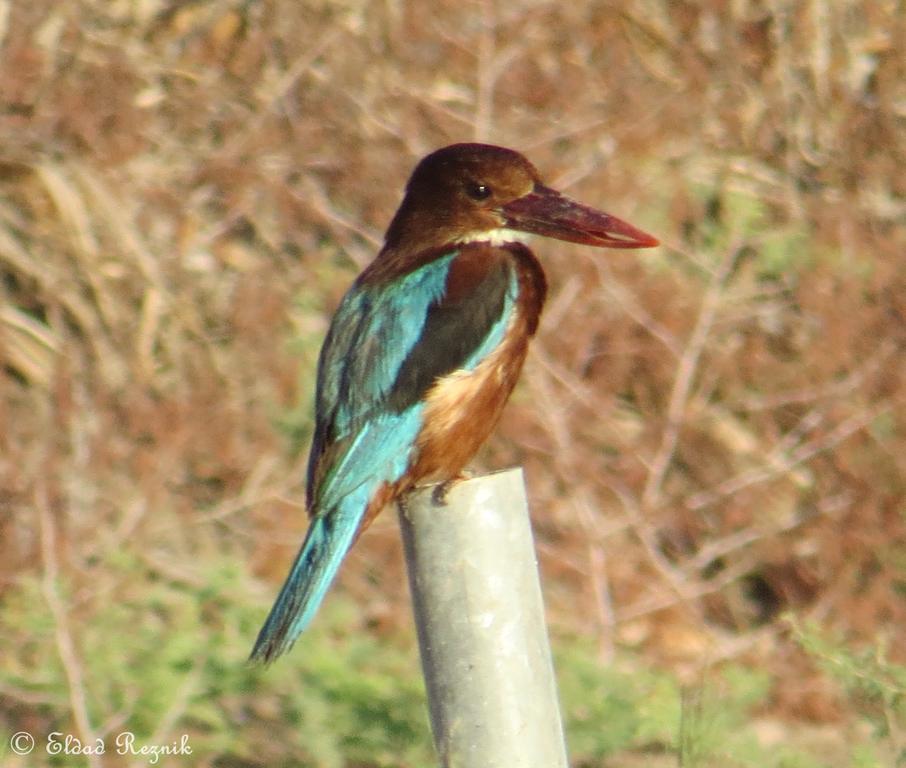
x: 481, y: 193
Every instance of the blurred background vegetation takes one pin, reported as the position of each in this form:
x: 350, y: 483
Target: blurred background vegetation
x: 713, y: 432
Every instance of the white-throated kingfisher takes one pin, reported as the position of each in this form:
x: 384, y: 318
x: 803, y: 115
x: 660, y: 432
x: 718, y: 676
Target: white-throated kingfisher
x: 425, y: 349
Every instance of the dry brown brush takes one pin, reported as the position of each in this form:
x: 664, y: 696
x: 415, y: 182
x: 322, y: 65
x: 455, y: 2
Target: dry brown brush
x: 713, y: 434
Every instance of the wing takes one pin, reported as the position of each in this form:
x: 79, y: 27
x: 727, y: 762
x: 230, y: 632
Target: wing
x: 388, y: 343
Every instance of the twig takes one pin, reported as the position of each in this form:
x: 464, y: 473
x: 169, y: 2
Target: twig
x: 835, y: 389
x: 30, y: 698
x: 682, y: 384
x: 674, y: 577
x: 596, y: 568
x: 484, y: 100
x: 600, y: 585
x: 782, y: 464
x: 72, y: 665
x: 316, y: 199
x: 692, y: 592
x: 627, y: 302
x: 179, y: 704
x: 738, y: 540
x: 491, y: 63
x: 255, y: 491
x: 269, y: 98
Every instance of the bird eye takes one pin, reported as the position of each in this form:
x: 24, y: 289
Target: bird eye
x: 478, y: 191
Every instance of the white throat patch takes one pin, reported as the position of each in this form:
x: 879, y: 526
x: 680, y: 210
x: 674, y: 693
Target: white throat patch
x: 499, y: 236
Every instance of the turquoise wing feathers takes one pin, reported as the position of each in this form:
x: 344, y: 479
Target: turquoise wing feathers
x: 388, y: 342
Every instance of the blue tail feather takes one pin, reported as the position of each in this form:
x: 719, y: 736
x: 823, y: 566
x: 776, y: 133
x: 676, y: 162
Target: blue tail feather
x: 379, y: 454
x: 328, y: 540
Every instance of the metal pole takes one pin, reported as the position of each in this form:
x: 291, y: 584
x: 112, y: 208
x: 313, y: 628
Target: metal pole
x: 481, y: 630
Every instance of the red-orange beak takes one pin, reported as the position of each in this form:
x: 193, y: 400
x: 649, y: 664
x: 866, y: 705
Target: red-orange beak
x: 544, y: 211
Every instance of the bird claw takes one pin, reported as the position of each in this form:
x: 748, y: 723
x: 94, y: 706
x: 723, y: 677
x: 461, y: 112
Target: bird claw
x: 439, y: 494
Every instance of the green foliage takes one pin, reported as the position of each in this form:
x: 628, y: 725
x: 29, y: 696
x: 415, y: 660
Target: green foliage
x: 734, y: 218
x: 630, y: 715
x: 170, y: 658
x: 876, y: 685
x: 716, y: 712
x: 345, y: 698
x: 607, y: 709
x: 627, y: 708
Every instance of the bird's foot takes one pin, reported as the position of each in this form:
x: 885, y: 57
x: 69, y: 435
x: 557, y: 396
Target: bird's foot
x: 439, y: 494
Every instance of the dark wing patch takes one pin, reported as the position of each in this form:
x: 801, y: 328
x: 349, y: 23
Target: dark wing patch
x: 392, y: 338
x: 458, y: 323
